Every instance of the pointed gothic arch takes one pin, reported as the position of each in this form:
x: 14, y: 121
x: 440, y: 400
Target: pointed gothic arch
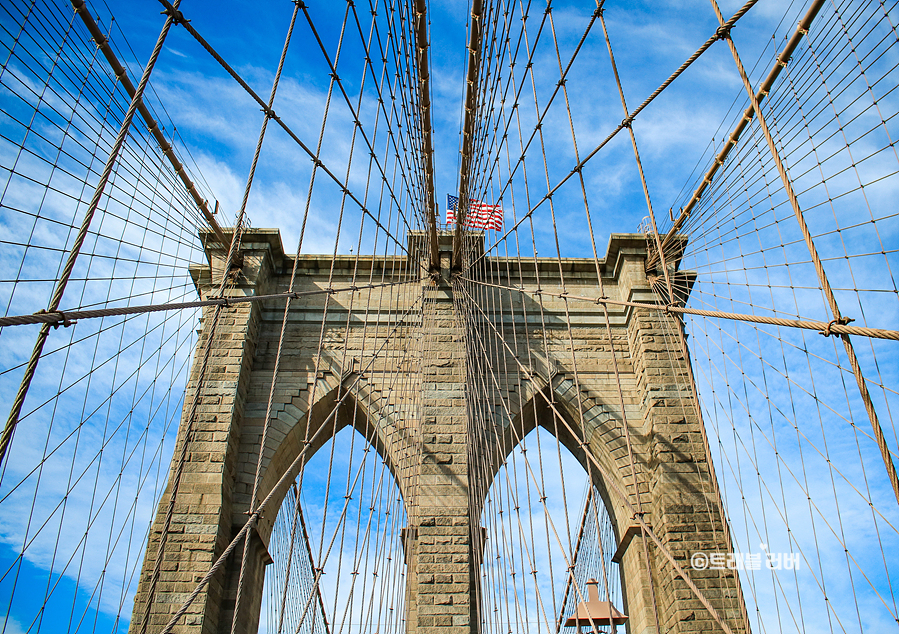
x: 547, y: 532
x: 350, y: 402
x: 345, y: 519
x: 341, y: 400
x: 539, y: 410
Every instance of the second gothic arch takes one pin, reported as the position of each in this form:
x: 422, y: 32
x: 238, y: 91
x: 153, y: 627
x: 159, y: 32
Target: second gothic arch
x: 340, y: 401
x: 602, y: 427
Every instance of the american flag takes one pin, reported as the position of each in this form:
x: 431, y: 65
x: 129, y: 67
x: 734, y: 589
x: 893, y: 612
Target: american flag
x: 480, y: 215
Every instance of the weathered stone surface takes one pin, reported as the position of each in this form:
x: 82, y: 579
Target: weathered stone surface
x: 652, y: 452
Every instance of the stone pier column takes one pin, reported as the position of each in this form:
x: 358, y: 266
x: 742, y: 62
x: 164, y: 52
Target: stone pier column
x: 683, y: 505
x: 442, y: 579
x: 201, y: 526
x: 680, y: 499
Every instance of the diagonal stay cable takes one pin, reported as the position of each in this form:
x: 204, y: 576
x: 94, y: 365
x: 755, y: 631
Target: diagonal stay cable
x: 628, y: 120
x: 283, y: 480
x: 121, y: 74
x: 271, y: 114
x: 889, y: 466
x: 615, y: 487
x: 748, y: 115
x: 19, y: 400
x: 825, y: 328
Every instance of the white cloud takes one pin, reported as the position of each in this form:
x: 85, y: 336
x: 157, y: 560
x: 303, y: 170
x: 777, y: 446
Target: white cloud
x: 9, y: 625
x: 760, y: 387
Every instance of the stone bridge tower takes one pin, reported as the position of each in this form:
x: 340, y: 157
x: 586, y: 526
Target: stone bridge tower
x: 430, y: 449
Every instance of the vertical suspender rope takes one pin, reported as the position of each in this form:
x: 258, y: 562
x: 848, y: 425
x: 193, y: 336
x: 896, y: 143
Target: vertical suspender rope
x: 819, y: 267
x: 608, y: 327
x: 293, y: 275
x: 421, y: 48
x: 471, y: 104
x: 195, y: 401
x: 317, y: 588
x: 122, y: 76
x: 681, y: 336
x: 271, y: 101
x: 58, y: 292
x: 577, y: 384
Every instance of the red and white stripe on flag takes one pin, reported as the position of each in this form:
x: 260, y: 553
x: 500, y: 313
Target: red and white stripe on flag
x: 480, y: 216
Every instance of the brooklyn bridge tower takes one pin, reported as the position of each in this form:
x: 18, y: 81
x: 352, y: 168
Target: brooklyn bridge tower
x: 632, y: 376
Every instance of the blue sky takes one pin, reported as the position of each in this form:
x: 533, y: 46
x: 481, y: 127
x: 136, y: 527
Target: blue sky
x: 778, y: 403
x: 220, y: 125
